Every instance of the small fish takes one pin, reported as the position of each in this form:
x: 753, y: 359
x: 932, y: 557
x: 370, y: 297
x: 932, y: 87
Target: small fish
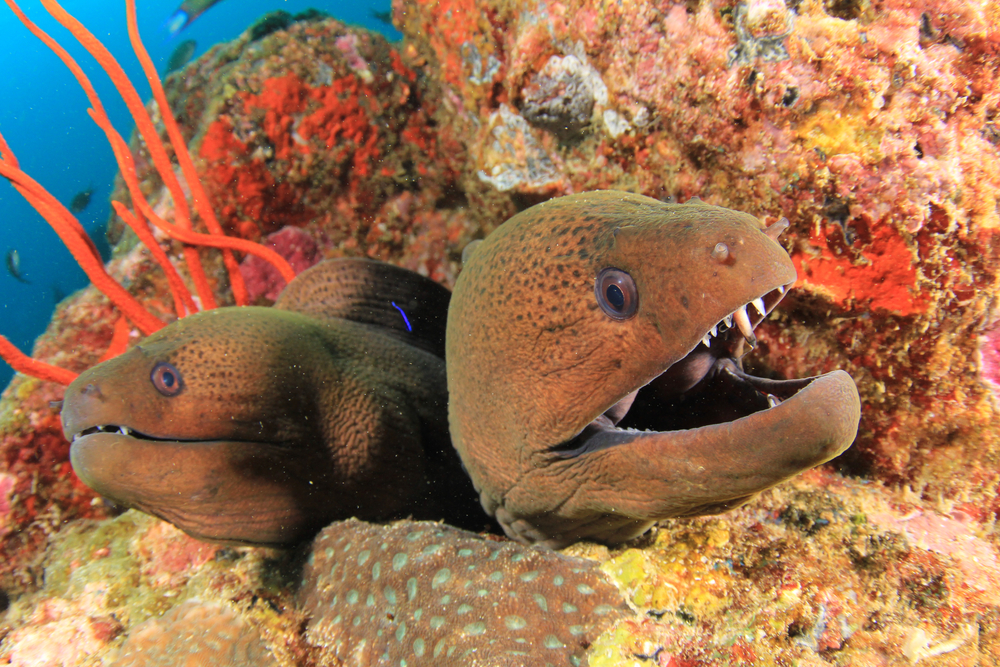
x: 186, y: 14
x: 14, y: 266
x: 81, y: 200
x: 383, y: 16
x: 181, y: 56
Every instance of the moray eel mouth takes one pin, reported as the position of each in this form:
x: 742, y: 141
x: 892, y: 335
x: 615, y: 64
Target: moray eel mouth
x: 115, y: 429
x: 706, y: 387
x: 226, y: 491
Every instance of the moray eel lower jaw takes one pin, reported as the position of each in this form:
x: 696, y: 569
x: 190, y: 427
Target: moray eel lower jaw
x: 229, y: 492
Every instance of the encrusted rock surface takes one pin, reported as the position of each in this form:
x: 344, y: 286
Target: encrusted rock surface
x: 873, y: 128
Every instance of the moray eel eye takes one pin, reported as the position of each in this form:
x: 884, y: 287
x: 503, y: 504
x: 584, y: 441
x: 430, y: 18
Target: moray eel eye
x: 166, y: 378
x: 616, y: 293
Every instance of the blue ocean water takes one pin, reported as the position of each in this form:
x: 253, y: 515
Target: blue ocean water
x: 44, y: 120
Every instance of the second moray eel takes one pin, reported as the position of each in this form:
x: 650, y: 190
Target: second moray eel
x: 261, y: 425
x: 576, y: 309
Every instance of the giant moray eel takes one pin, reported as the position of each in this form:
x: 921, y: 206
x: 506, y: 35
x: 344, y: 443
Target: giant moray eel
x: 261, y: 425
x: 561, y: 318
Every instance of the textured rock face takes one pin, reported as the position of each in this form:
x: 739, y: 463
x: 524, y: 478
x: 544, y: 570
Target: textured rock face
x: 426, y: 594
x: 873, y: 129
x: 331, y: 129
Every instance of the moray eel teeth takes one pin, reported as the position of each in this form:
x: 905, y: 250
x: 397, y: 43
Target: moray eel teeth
x: 113, y: 428
x: 595, y: 375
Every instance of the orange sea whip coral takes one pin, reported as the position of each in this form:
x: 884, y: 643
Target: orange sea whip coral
x: 73, y: 234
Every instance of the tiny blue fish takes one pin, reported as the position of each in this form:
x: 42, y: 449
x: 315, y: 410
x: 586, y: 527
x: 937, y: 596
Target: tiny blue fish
x: 186, y: 14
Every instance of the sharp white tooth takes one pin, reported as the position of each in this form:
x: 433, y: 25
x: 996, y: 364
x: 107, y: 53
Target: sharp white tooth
x: 707, y: 341
x: 758, y: 303
x: 781, y: 289
x: 125, y: 431
x: 743, y: 322
x: 728, y: 319
x: 772, y: 400
x: 714, y: 331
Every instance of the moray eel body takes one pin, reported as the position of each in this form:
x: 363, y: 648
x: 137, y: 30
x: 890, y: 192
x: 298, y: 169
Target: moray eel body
x: 575, y: 309
x: 261, y: 425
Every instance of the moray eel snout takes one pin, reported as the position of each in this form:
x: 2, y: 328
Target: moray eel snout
x: 261, y: 425
x: 594, y: 356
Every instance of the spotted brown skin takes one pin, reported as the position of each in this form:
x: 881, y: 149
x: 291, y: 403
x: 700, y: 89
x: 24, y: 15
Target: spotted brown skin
x: 540, y: 372
x: 261, y: 425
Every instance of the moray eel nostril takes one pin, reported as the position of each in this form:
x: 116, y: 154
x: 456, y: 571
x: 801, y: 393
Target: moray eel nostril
x: 261, y: 425
x: 576, y: 422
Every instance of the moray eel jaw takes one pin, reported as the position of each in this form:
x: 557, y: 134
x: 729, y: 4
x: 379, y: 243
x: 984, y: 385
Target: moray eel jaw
x: 225, y: 492
x: 594, y: 374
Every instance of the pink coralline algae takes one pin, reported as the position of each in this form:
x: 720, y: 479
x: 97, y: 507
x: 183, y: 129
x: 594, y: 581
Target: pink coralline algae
x: 195, y: 634
x: 61, y: 633
x: 262, y: 279
x: 989, y: 350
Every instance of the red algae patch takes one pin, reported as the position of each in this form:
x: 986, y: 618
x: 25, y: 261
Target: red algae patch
x: 883, y: 276
x: 170, y: 556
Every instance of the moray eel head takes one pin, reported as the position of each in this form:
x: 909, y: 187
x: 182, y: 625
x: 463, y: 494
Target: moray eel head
x: 189, y: 426
x: 594, y: 349
x: 261, y: 425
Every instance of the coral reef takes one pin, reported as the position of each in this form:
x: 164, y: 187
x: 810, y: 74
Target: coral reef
x: 821, y: 571
x: 873, y: 128
x: 327, y: 128
x: 195, y: 633
x: 138, y: 579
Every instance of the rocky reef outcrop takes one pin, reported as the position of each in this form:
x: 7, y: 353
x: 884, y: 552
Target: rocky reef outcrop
x: 871, y: 126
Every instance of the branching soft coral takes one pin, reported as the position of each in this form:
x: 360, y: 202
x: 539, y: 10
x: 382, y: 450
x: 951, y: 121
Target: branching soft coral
x: 71, y: 232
